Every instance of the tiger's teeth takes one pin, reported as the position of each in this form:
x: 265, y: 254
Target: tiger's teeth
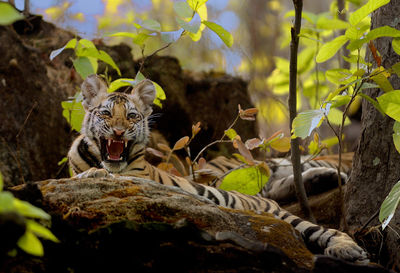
x: 109, y: 142
x: 108, y: 157
x: 120, y: 158
x: 126, y: 144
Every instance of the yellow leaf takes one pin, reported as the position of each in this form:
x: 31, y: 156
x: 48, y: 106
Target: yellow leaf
x: 181, y: 143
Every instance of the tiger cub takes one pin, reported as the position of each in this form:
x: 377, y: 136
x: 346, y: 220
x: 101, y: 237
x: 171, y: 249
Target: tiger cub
x: 319, y: 175
x: 112, y: 143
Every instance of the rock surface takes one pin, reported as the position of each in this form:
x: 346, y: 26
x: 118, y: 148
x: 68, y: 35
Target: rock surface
x: 137, y: 225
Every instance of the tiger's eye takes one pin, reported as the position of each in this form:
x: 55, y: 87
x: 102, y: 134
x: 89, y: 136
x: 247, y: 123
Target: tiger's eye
x: 133, y: 116
x: 105, y: 113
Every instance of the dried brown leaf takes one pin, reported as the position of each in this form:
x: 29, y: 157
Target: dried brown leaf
x: 181, y: 143
x: 155, y: 152
x: 163, y: 147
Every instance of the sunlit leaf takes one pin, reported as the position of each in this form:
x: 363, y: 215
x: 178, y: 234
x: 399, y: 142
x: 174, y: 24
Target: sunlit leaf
x: 85, y: 66
x: 373, y: 102
x: 331, y: 24
x: 247, y: 181
x: 100, y: 55
x: 329, y: 49
x: 231, y: 133
x: 396, y: 135
x: 365, y: 10
x: 30, y: 244
x: 28, y: 210
x: 8, y: 14
x: 151, y: 24
x: 340, y: 100
x: 306, y: 122
x: 73, y: 112
x: 160, y: 94
x: 225, y: 36
x: 335, y: 117
x: 281, y: 145
x: 70, y: 44
x: 6, y: 201
x: 390, y: 103
x: 182, y: 9
x: 329, y: 142
x: 192, y: 26
x: 381, y: 80
x: 396, y: 45
x: 196, y: 4
x: 355, y: 33
x: 41, y: 231
x: 339, y: 76
x: 118, y: 83
x: 389, y: 205
x: 171, y: 36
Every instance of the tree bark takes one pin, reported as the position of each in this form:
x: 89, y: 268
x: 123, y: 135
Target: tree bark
x: 376, y: 166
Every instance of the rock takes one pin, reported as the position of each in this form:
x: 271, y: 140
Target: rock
x: 147, y: 227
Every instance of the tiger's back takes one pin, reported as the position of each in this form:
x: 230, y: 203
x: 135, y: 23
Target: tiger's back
x: 112, y: 143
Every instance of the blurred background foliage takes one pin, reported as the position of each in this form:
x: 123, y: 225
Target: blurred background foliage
x: 261, y: 32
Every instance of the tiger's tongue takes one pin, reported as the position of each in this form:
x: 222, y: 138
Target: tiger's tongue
x: 115, y: 149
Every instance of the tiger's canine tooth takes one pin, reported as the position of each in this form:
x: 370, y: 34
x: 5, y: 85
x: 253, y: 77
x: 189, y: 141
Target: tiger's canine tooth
x: 109, y: 141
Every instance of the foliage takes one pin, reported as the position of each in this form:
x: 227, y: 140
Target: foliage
x: 389, y: 205
x: 28, y: 241
x: 8, y: 14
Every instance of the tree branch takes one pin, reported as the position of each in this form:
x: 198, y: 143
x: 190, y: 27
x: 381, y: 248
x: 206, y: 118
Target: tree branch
x: 295, y: 156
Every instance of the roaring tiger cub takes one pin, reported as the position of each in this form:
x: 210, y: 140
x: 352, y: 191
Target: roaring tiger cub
x: 113, y: 140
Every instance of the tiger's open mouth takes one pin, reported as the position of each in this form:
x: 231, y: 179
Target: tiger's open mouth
x: 113, y: 150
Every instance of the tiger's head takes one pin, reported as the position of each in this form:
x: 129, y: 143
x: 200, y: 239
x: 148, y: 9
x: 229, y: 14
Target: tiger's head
x: 116, y: 122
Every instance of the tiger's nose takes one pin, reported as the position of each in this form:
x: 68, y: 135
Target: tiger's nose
x: 119, y: 132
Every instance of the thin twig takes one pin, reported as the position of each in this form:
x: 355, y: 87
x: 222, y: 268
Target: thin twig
x: 26, y: 119
x: 209, y: 145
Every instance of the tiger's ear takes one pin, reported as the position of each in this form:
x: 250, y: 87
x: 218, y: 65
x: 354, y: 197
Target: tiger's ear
x: 94, y: 90
x: 145, y: 93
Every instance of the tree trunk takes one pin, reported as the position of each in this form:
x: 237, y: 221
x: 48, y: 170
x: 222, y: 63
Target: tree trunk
x: 376, y: 166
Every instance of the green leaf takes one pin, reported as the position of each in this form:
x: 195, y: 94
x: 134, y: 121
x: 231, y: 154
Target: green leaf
x: 305, y: 60
x: 396, y: 135
x: 151, y: 24
x: 225, y: 36
x: 182, y: 9
x: 8, y: 14
x: 137, y: 38
x: 192, y: 26
x: 396, y: 45
x: 62, y: 161
x: 100, y: 55
x: 171, y: 36
x: 384, y: 31
x: 118, y: 83
x: 329, y: 142
x: 86, y: 43
x: 396, y: 69
x: 381, y: 80
x: 247, y: 181
x: 389, y: 205
x: 6, y: 201
x: 335, y: 117
x: 30, y: 244
x: 28, y: 210
x: 365, y: 10
x: 339, y: 76
x: 74, y: 113
x: 41, y: 231
x: 306, y: 122
x: 139, y: 77
x: 329, y: 49
x: 331, y: 24
x: 340, y: 100
x: 196, y: 4
x: 160, y: 94
x: 373, y: 102
x: 231, y: 133
x: 354, y: 33
x: 71, y: 44
x: 85, y: 66
x: 390, y: 104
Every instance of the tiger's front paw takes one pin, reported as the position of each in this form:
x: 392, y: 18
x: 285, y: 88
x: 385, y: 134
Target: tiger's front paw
x: 95, y: 173
x: 343, y: 247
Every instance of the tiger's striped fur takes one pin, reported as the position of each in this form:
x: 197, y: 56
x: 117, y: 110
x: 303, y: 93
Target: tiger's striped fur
x: 98, y: 153
x: 319, y: 175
